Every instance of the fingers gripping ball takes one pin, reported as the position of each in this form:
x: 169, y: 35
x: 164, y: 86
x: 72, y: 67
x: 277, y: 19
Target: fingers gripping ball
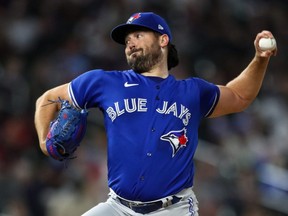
x: 66, y: 131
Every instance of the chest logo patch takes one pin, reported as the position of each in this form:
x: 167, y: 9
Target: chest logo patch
x: 177, y: 139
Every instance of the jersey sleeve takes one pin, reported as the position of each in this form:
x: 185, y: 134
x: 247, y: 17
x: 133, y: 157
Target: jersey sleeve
x: 85, y: 91
x: 209, y: 96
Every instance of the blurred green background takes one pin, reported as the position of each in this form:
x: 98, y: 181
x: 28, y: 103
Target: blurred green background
x: 242, y: 159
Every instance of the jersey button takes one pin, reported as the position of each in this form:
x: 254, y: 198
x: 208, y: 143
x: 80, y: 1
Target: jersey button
x: 149, y: 154
x: 153, y: 130
x: 142, y: 178
x: 157, y: 98
x: 157, y: 87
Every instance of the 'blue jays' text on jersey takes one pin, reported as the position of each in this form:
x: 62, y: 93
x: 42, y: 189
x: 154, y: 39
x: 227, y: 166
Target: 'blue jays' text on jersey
x: 152, y: 128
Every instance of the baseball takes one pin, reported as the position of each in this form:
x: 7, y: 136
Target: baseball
x: 267, y: 44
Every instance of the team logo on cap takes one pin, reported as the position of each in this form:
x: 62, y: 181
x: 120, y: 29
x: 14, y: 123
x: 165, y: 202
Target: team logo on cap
x: 177, y: 139
x: 134, y: 17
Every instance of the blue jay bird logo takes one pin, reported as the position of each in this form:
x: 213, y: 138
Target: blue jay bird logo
x: 134, y: 17
x: 177, y: 139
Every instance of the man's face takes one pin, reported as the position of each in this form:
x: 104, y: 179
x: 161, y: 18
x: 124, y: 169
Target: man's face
x: 142, y: 50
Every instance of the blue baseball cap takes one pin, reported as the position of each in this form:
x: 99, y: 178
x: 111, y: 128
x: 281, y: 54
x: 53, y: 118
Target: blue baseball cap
x: 147, y: 20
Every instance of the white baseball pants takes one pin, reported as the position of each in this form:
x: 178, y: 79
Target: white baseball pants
x: 187, y: 206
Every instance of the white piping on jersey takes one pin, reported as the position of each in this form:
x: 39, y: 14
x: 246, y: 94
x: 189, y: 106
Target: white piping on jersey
x: 213, y: 105
x: 72, y: 97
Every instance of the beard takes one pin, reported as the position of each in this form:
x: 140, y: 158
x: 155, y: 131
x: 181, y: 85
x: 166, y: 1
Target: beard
x: 141, y: 63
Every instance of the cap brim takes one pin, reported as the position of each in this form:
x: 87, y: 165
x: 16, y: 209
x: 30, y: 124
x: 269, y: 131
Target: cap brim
x: 119, y: 33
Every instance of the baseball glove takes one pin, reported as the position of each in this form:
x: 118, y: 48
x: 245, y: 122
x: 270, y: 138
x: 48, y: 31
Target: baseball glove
x: 66, y: 131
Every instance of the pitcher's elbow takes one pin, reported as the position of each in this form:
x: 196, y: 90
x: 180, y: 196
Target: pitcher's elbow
x: 244, y: 105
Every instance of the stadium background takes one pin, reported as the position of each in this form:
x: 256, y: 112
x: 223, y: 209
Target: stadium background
x: 242, y: 160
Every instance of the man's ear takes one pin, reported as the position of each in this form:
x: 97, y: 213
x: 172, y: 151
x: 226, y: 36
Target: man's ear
x: 164, y: 40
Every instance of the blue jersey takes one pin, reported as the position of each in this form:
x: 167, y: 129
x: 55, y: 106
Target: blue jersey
x: 151, y: 125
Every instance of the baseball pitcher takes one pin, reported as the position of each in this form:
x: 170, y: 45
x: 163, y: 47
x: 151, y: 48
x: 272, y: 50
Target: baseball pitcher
x: 151, y: 119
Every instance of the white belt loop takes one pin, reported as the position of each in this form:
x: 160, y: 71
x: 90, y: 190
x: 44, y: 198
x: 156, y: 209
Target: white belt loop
x: 112, y: 194
x: 167, y: 201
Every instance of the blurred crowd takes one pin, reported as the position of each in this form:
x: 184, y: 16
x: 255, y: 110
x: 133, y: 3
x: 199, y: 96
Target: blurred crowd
x: 242, y: 161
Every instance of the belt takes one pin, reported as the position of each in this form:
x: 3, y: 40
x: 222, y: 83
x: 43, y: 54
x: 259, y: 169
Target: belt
x: 147, y: 207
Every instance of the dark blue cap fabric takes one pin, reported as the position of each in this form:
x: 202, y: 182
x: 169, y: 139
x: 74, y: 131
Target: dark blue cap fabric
x: 147, y: 20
